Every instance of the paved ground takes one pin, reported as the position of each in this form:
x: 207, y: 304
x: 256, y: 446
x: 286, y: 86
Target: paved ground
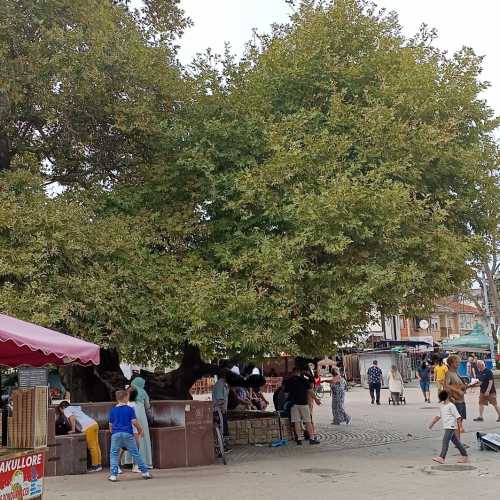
x: 384, y: 454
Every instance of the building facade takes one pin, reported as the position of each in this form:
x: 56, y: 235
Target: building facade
x: 450, y: 319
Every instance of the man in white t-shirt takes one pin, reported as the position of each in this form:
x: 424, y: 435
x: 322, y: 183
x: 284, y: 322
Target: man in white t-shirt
x: 451, y: 420
x: 81, y: 422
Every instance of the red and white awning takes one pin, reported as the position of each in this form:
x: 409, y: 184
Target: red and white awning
x: 26, y: 344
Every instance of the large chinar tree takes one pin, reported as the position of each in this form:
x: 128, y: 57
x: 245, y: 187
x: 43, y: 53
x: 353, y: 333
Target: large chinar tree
x: 247, y: 207
x: 350, y: 167
x: 92, y: 106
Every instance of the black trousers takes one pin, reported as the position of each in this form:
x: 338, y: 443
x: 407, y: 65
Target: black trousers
x: 375, y: 389
x: 225, y: 427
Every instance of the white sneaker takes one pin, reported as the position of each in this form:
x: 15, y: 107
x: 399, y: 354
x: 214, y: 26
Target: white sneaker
x: 120, y: 470
x: 147, y: 475
x: 112, y: 478
x: 135, y: 468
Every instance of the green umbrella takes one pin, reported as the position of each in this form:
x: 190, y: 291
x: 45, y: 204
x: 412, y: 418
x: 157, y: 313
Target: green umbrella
x: 476, y: 339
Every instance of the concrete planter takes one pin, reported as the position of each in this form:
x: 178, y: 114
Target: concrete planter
x: 181, y: 436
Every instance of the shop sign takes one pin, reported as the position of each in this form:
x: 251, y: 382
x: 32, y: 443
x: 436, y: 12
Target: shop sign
x: 21, y: 477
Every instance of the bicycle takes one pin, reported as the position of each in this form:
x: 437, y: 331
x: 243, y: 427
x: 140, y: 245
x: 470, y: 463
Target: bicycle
x: 320, y: 391
x: 219, y: 436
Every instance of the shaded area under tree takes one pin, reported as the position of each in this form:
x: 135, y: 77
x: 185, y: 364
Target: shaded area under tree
x: 99, y: 383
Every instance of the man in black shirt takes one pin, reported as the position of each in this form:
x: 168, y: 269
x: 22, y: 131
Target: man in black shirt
x: 299, y: 389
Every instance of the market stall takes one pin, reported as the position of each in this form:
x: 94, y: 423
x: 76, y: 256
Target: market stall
x: 477, y: 342
x: 386, y: 358
x: 25, y: 344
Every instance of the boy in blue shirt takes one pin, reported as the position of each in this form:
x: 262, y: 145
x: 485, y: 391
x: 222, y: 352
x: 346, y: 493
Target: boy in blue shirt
x: 121, y: 420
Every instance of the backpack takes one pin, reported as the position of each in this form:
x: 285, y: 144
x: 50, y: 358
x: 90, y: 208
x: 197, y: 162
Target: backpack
x: 62, y: 425
x: 287, y: 407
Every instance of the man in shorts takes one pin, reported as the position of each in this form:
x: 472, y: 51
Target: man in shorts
x: 456, y: 388
x: 487, y: 391
x: 300, y: 389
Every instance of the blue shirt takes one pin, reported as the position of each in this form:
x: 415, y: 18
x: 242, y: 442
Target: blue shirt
x: 121, y: 418
x: 425, y: 374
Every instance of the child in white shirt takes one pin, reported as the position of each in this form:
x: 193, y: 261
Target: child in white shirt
x: 451, y: 422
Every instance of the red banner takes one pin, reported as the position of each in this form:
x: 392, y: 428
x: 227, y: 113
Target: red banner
x: 21, y: 477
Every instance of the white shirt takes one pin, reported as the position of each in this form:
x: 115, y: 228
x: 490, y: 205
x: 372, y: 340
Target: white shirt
x: 449, y: 415
x: 255, y: 371
x: 83, y: 422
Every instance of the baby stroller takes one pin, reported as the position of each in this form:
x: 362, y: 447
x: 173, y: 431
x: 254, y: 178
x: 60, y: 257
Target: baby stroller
x: 402, y: 399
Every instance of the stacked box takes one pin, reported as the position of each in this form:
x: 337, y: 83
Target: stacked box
x: 28, y: 423
x: 286, y: 429
x: 41, y: 417
x: 11, y: 432
x: 256, y: 431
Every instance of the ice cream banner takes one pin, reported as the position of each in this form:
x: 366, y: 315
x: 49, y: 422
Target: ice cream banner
x: 21, y: 477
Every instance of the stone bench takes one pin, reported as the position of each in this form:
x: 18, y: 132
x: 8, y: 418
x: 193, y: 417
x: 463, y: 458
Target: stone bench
x: 181, y: 436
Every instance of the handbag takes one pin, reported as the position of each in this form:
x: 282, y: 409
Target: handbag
x: 149, y: 414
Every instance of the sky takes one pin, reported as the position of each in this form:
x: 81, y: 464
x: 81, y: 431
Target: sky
x: 459, y: 22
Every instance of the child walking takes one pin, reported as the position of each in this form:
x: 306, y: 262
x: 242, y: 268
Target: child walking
x: 121, y: 420
x: 452, y: 422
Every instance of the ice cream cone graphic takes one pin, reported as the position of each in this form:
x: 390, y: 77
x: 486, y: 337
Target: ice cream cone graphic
x: 16, y: 484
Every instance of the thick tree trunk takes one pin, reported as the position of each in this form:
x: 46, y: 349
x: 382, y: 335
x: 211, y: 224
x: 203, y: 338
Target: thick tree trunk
x: 99, y: 383
x: 95, y: 383
x: 177, y: 383
x: 5, y: 154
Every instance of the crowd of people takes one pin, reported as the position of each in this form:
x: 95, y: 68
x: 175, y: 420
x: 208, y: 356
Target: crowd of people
x: 129, y: 427
x: 296, y: 398
x: 247, y: 394
x: 451, y: 390
x: 236, y: 391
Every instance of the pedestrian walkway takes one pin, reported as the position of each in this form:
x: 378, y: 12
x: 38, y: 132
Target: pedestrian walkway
x: 384, y: 454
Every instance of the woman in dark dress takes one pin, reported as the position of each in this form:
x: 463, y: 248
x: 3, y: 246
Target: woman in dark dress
x: 338, y: 397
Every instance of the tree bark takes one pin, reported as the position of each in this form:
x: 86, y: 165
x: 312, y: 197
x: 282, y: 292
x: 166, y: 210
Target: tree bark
x: 99, y: 383
x: 177, y: 383
x: 493, y: 296
x: 95, y: 383
x: 5, y: 151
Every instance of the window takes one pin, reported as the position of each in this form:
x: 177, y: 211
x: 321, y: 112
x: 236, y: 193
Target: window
x: 466, y: 322
x: 435, y: 323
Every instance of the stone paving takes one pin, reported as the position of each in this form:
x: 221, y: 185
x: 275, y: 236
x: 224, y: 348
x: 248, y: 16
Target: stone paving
x: 384, y: 454
x: 332, y: 438
x: 371, y: 426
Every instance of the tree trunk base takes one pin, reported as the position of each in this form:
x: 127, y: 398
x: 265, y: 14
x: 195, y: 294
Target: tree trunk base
x: 100, y: 383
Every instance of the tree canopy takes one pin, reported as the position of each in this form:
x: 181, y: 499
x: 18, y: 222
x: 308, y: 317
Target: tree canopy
x: 257, y: 206
x: 85, y: 86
